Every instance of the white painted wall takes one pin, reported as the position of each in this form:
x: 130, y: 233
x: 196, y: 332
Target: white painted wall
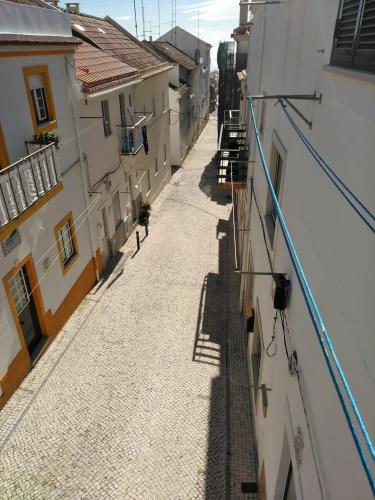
x: 175, y: 119
x: 188, y: 43
x: 158, y: 133
x: 37, y: 233
x: 335, y: 247
x: 102, y: 164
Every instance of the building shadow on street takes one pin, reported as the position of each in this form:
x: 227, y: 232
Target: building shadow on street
x: 231, y: 464
x: 209, y: 186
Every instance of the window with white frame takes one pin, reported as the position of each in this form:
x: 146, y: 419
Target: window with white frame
x: 39, y: 98
x: 165, y: 154
x: 156, y: 165
x: 66, y: 242
x: 106, y: 118
x: 19, y: 290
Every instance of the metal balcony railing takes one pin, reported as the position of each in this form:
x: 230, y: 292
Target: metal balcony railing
x: 233, y: 155
x: 132, y: 137
x: 27, y: 180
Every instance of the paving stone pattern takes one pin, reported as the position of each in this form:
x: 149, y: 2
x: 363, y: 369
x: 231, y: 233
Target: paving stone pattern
x: 144, y: 393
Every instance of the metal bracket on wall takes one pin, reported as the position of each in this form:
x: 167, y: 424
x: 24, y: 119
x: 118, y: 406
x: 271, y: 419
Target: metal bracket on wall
x: 259, y: 273
x: 300, y: 97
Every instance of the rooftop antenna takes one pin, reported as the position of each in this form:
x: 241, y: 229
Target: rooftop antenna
x: 143, y: 20
x: 174, y: 31
x: 135, y: 17
x: 159, y: 15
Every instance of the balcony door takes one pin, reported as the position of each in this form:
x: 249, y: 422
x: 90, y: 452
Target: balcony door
x: 20, y: 289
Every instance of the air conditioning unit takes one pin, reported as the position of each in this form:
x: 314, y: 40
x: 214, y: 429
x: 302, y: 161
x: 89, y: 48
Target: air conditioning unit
x: 280, y: 291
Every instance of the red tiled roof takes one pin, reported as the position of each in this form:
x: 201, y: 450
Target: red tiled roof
x: 6, y: 39
x: 174, y: 54
x: 115, y: 41
x: 97, y: 69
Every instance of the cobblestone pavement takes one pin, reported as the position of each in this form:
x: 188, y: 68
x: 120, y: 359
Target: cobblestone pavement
x: 144, y: 393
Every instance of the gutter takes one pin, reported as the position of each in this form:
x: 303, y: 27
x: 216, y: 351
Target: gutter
x: 93, y: 95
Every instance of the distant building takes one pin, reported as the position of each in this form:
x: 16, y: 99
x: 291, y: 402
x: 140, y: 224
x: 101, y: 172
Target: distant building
x: 184, y: 86
x: 198, y: 50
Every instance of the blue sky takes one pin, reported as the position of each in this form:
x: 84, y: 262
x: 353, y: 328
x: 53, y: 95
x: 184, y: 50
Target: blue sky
x: 217, y: 18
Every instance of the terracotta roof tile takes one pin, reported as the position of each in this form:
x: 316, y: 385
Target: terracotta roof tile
x: 97, y: 69
x: 174, y: 54
x: 115, y: 41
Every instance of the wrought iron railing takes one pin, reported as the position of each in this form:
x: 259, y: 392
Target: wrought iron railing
x: 23, y: 183
x: 132, y: 136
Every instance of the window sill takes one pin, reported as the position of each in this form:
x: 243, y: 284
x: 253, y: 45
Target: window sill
x: 350, y: 72
x: 46, y: 127
x: 69, y: 263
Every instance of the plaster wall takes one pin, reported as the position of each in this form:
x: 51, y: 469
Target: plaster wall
x: 37, y: 232
x: 289, y: 52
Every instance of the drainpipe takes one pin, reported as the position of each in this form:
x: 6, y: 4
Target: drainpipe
x: 71, y: 79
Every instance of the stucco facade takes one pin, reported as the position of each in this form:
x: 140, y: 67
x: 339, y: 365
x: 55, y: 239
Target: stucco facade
x: 46, y: 189
x: 304, y: 425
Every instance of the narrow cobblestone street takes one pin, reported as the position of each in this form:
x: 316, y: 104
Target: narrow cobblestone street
x: 144, y: 393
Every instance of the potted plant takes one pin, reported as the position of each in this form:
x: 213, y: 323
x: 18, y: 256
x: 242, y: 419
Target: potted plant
x: 144, y: 215
x: 44, y: 138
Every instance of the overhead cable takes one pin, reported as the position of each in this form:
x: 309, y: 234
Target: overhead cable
x: 358, y: 206
x: 318, y: 324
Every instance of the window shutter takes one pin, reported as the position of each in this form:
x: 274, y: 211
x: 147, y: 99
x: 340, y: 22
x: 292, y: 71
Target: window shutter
x: 354, y: 38
x: 365, y: 50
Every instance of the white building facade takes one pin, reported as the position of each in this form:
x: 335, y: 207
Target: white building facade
x: 305, y: 447
x: 48, y: 260
x: 200, y: 51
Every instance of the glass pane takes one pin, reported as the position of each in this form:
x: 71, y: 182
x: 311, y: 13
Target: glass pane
x: 19, y: 291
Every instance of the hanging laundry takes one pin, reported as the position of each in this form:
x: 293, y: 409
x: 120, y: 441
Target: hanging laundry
x: 145, y: 141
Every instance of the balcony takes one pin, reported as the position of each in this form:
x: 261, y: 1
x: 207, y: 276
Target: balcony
x: 131, y: 140
x: 233, y: 155
x: 27, y: 181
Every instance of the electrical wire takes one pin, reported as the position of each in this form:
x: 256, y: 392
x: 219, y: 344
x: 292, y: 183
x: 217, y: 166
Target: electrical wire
x: 323, y: 337
x: 346, y: 192
x: 59, y: 253
x: 273, y: 338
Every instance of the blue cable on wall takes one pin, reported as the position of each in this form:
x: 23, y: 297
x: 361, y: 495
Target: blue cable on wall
x: 319, y: 326
x: 346, y: 192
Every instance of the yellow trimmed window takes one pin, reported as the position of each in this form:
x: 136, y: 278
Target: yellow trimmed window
x: 4, y: 159
x: 39, y: 94
x: 66, y: 242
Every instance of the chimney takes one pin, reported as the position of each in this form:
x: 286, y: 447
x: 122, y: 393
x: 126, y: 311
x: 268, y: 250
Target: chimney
x: 150, y: 38
x: 72, y: 7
